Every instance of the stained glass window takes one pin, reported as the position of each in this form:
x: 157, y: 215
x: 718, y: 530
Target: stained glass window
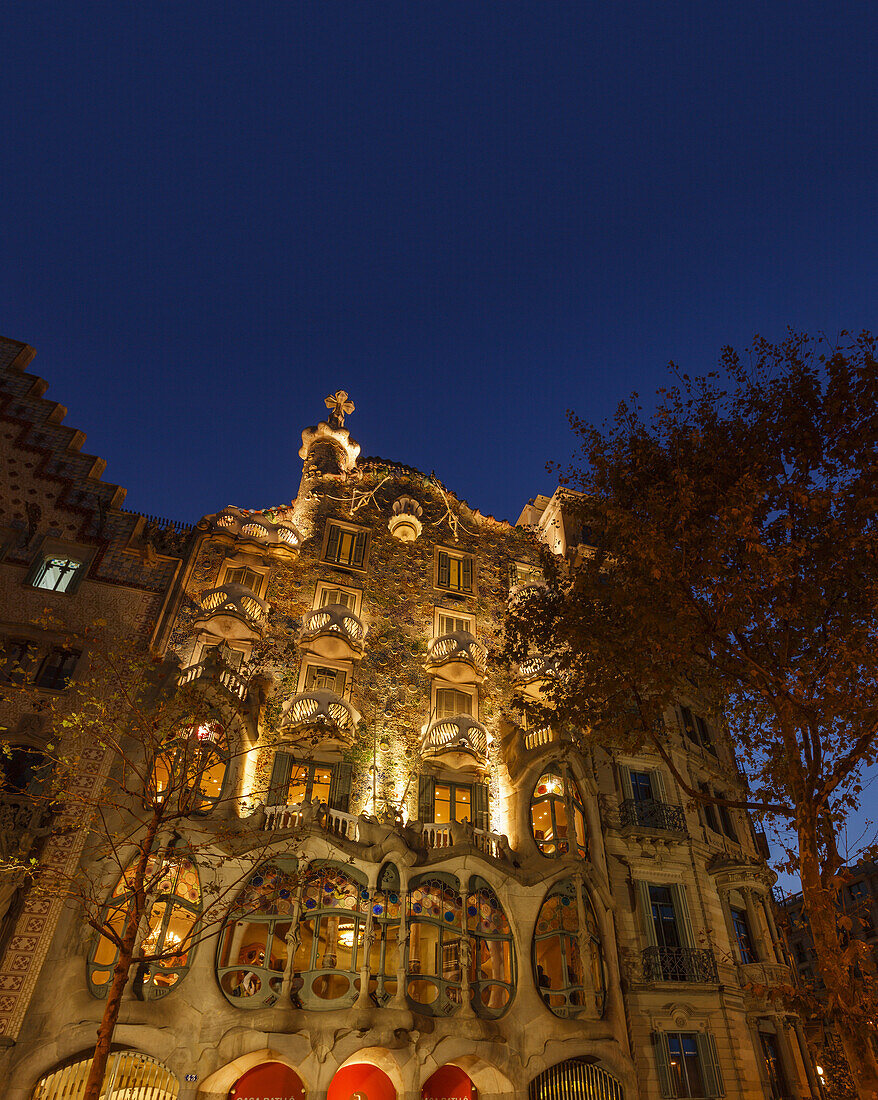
x: 192, y: 765
x: 492, y: 958
x: 331, y: 930
x: 568, y: 982
x: 557, y: 815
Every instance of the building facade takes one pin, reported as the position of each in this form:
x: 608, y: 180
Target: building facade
x: 451, y: 898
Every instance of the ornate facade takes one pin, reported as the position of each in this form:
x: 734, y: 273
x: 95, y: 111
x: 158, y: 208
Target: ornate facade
x: 457, y: 899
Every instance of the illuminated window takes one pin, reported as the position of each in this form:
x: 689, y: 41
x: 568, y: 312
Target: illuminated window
x: 57, y: 574
x: 556, y: 814
x: 249, y: 578
x: 331, y: 929
x: 322, y: 678
x: 454, y: 572
x: 492, y: 976
x: 435, y: 926
x: 450, y: 702
x: 193, y: 766
x: 384, y: 953
x: 166, y: 951
x: 442, y: 802
x: 447, y: 622
x: 345, y: 546
x: 568, y: 983
x: 294, y: 782
x: 252, y: 948
x: 687, y: 1064
x: 340, y: 596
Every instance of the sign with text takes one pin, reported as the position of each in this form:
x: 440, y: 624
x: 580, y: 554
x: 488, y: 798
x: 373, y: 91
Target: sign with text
x: 270, y: 1081
x: 449, y: 1083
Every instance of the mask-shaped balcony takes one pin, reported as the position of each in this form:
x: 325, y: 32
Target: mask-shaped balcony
x: 521, y: 592
x: 458, y: 740
x: 333, y: 631
x: 257, y: 527
x: 535, y: 674
x: 458, y: 657
x: 322, y: 717
x: 232, y: 611
x: 214, y: 672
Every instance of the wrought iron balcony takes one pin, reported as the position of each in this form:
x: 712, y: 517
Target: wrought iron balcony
x: 214, y: 671
x: 258, y: 527
x: 232, y: 611
x: 458, y: 656
x: 460, y: 734
x: 333, y: 631
x: 649, y: 814
x: 534, y: 674
x: 323, y: 714
x: 679, y: 964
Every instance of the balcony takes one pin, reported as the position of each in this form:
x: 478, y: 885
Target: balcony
x: 214, y: 672
x: 680, y: 964
x: 233, y: 612
x: 324, y: 715
x: 458, y: 657
x: 520, y: 593
x: 765, y: 974
x: 334, y: 632
x: 650, y: 815
x: 535, y: 674
x: 460, y: 738
x: 261, y: 528
x: 436, y: 835
x: 303, y: 814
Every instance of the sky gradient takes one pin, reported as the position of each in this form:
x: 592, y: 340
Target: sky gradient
x: 471, y: 216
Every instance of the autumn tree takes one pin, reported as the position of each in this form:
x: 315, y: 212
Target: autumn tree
x: 135, y: 777
x: 734, y: 563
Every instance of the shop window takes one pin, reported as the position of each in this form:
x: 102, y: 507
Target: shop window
x: 166, y: 950
x: 193, y: 765
x: 454, y: 572
x: 57, y: 574
x: 557, y: 815
x: 252, y: 947
x: 435, y: 927
x: 450, y: 702
x: 568, y: 982
x: 492, y: 974
x: 57, y: 669
x: 331, y: 928
x: 345, y: 546
x: 384, y: 951
x: 687, y: 1064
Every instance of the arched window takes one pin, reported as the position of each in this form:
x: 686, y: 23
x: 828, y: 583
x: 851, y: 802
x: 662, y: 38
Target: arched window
x: 252, y: 948
x: 132, y: 1074
x: 492, y: 955
x: 172, y: 881
x: 567, y: 982
x: 557, y: 815
x: 331, y: 927
x: 193, y: 763
x: 384, y: 950
x: 435, y: 928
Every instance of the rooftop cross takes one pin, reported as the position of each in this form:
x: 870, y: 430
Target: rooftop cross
x: 340, y: 405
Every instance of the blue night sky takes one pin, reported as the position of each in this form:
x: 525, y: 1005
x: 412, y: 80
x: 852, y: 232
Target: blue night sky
x: 472, y: 216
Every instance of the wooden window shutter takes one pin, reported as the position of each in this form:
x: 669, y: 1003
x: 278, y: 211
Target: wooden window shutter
x: 681, y: 909
x: 713, y: 1081
x: 281, y: 770
x: 646, y: 913
x: 426, y: 789
x: 663, y: 1063
x: 444, y: 571
x: 625, y: 779
x: 658, y: 786
x: 466, y: 569
x: 340, y: 788
x: 480, y: 806
x: 359, y: 548
x: 332, y: 543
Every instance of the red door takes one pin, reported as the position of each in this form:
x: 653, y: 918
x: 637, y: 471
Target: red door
x: 361, y: 1082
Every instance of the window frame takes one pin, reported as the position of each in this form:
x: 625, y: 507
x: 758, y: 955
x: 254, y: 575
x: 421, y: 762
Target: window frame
x: 744, y: 941
x: 462, y: 689
x: 231, y: 566
x: 41, y: 565
x: 459, y: 555
x: 332, y: 586
x: 310, y: 663
x: 342, y: 526
x: 305, y: 980
x: 74, y: 656
x: 572, y: 896
x: 708, y: 1065
x: 452, y: 612
x: 574, y: 805
x: 210, y: 750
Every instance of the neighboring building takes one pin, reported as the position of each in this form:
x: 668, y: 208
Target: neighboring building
x: 461, y: 901
x: 857, y: 899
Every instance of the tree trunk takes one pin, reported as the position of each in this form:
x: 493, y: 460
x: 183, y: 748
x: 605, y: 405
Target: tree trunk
x: 852, y: 1029
x: 122, y: 968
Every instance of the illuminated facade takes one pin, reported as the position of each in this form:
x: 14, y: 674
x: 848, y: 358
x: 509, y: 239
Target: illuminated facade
x: 459, y: 901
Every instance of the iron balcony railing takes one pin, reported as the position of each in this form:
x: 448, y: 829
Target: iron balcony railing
x: 679, y: 964
x: 651, y: 814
